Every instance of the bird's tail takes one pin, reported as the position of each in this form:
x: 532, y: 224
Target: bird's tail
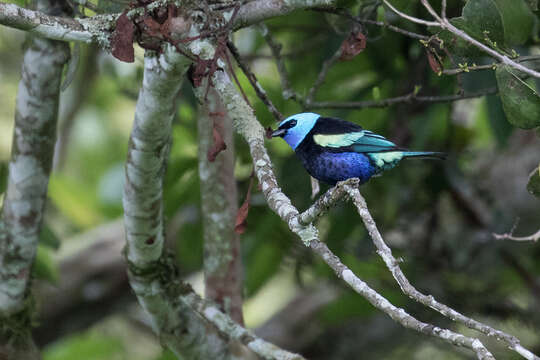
x: 425, y: 155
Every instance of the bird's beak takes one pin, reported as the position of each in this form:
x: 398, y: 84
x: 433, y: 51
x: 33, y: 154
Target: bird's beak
x: 279, y: 132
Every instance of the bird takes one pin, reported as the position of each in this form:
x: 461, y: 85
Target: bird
x: 334, y: 150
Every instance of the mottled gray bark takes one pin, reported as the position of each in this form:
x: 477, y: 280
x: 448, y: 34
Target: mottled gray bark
x: 152, y: 275
x: 188, y: 325
x: 31, y: 160
x: 222, y: 253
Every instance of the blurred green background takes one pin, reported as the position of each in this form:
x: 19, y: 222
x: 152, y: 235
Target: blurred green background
x: 437, y: 216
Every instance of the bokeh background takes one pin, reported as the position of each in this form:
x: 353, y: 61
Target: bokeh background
x: 437, y: 216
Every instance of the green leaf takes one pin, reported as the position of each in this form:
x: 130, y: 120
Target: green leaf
x: 45, y: 268
x: 89, y: 345
x: 500, y: 127
x: 521, y: 102
x: 533, y: 186
x: 483, y: 15
x: 457, y: 45
x: 504, y: 22
x: 518, y: 21
x: 48, y: 238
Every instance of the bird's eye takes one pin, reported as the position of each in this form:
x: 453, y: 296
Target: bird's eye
x: 288, y: 124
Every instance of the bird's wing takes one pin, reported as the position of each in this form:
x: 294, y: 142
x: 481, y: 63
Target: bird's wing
x: 363, y: 141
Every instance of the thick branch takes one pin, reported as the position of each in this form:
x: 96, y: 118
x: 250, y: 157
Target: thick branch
x: 222, y: 253
x: 189, y: 326
x: 93, y: 29
x: 31, y: 160
x: 100, y: 27
x: 151, y: 275
x: 259, y: 10
x: 34, y: 136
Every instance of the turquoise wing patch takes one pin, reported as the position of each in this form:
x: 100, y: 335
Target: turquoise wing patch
x: 386, y: 160
x: 361, y: 141
x: 338, y: 140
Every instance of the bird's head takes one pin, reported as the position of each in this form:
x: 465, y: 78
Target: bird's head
x: 295, y: 128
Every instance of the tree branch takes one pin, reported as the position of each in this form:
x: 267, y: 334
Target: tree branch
x: 261, y: 93
x: 393, y: 265
x: 185, y: 323
x: 397, y: 314
x: 444, y: 23
x: 509, y: 236
x: 409, y: 99
x: 327, y: 64
x: 94, y: 29
x: 250, y: 129
x: 384, y: 24
x: 99, y: 28
x: 410, y: 18
x: 467, y: 68
x: 259, y: 10
x: 222, y: 253
x: 287, y: 90
x: 151, y: 275
x: 34, y: 136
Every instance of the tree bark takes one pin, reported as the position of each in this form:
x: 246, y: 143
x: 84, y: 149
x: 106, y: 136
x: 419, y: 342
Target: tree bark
x: 152, y: 274
x: 29, y: 168
x: 222, y: 253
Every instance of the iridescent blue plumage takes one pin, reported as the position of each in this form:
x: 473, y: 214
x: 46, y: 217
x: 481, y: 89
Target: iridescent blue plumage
x: 333, y: 150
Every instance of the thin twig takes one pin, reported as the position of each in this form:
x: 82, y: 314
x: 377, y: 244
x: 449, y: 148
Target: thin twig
x: 397, y: 314
x: 409, y: 98
x: 443, y: 9
x: 411, y: 18
x: 509, y: 236
x: 445, y: 24
x: 360, y: 20
x: 428, y: 300
x: 288, y: 92
x: 328, y: 63
x: 430, y: 9
x: 261, y: 93
x: 391, y: 27
x: 249, y: 128
x: 467, y: 68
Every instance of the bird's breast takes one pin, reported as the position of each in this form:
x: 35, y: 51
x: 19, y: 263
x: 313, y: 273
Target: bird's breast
x: 331, y: 167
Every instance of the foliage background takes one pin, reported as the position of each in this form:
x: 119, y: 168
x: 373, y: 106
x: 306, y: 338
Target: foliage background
x: 437, y: 216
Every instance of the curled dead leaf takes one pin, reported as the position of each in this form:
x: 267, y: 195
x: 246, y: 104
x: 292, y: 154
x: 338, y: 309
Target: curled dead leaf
x: 219, y: 144
x: 241, y: 216
x: 353, y: 45
x: 122, y: 39
x: 434, y: 62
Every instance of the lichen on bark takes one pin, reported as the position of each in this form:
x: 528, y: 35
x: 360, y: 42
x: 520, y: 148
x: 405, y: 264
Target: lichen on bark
x: 222, y: 260
x: 32, y: 150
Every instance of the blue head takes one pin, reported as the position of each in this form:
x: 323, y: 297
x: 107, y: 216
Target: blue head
x: 295, y: 128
